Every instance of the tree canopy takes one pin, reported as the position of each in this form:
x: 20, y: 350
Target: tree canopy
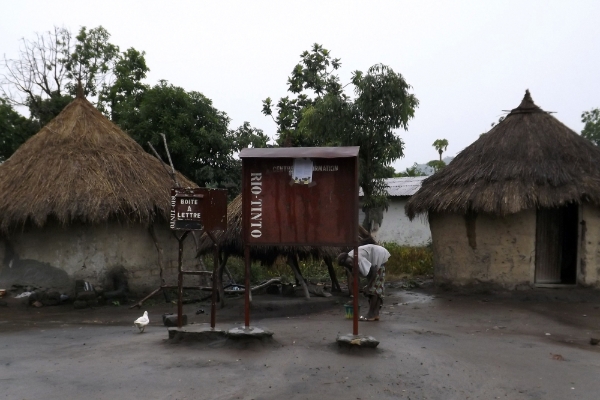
x: 14, y: 129
x: 411, y: 171
x: 318, y: 112
x: 440, y: 146
x: 591, y: 129
x: 45, y: 76
x: 201, y: 144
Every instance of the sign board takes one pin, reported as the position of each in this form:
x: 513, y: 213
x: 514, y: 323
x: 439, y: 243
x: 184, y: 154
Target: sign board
x: 300, y: 196
x: 198, y: 209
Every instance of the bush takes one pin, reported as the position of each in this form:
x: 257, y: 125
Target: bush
x: 315, y: 271
x: 405, y: 260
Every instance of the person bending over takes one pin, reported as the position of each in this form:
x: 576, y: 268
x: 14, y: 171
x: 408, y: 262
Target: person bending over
x: 371, y: 264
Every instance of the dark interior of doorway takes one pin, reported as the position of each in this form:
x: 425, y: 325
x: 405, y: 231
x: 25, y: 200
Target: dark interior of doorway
x: 556, y: 245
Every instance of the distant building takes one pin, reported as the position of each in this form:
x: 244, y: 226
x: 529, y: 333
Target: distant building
x: 396, y: 227
x: 427, y: 170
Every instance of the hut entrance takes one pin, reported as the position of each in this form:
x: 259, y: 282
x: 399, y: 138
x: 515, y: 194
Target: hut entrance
x: 556, y: 245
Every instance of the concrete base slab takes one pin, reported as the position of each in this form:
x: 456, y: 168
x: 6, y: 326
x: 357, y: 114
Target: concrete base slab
x: 171, y: 320
x: 202, y: 332
x: 249, y: 332
x: 350, y: 340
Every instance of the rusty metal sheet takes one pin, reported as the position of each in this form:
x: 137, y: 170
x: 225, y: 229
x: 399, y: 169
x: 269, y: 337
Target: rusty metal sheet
x: 276, y: 210
x: 198, y: 209
x: 301, y: 152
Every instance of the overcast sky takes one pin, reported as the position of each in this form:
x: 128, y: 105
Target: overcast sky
x: 466, y: 60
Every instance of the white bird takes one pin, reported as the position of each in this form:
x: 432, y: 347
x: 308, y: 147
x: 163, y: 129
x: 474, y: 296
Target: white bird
x: 142, y: 321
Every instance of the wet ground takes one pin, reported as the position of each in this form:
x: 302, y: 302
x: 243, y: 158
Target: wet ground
x: 522, y: 345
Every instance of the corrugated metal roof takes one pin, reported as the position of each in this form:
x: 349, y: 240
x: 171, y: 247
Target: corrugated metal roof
x: 402, y: 186
x: 301, y: 152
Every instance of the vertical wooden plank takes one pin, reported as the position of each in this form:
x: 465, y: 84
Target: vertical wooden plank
x: 548, y: 246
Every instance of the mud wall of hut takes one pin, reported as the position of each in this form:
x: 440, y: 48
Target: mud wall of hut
x: 589, y: 253
x: 55, y: 256
x: 484, y: 249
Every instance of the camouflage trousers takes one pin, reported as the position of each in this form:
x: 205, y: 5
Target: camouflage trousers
x: 377, y: 287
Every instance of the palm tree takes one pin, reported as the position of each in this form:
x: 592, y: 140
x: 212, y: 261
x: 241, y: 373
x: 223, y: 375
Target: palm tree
x: 440, y: 145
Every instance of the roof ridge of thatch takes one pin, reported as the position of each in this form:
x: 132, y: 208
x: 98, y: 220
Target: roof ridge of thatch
x: 82, y: 167
x: 527, y: 105
x: 528, y: 160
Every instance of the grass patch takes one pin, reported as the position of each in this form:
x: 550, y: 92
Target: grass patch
x: 258, y: 272
x: 404, y: 261
x: 411, y: 261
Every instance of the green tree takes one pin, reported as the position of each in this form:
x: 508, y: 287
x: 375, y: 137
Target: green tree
x: 591, y: 129
x: 440, y: 146
x: 14, y: 129
x: 43, y: 109
x: 91, y: 61
x: 437, y: 165
x: 411, y: 171
x: 45, y: 75
x: 322, y: 114
x: 201, y: 145
x: 127, y: 87
x: 311, y: 80
x: 246, y: 136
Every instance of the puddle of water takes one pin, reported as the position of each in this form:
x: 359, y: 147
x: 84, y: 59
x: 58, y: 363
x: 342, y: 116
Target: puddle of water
x: 405, y: 298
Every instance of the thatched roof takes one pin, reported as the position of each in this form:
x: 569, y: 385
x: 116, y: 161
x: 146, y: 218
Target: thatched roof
x: 529, y: 160
x: 230, y: 242
x: 82, y: 167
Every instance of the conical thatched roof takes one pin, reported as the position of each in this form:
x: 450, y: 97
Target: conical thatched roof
x: 530, y: 160
x: 82, y: 167
x: 230, y: 241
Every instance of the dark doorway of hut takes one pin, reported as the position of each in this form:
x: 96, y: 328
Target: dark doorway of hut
x: 556, y: 245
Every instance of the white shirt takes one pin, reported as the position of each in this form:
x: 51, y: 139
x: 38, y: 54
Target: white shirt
x: 370, y: 255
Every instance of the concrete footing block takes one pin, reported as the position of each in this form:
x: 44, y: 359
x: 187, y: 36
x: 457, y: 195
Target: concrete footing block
x: 197, y: 333
x: 249, y: 332
x: 171, y: 320
x: 350, y: 340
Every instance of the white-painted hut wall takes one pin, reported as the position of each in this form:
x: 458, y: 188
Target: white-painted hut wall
x: 397, y: 228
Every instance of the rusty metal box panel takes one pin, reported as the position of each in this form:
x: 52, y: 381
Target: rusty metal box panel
x: 276, y: 210
x: 198, y: 209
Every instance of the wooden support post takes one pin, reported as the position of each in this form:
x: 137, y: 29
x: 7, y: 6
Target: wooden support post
x: 355, y: 291
x: 215, y: 274
x: 247, y: 286
x: 180, y: 280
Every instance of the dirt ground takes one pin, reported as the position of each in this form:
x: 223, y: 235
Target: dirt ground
x: 434, y: 345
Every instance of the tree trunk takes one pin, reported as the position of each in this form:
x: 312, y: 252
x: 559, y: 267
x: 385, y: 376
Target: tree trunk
x: 372, y: 220
x: 292, y: 261
x: 335, y: 285
x: 222, y: 266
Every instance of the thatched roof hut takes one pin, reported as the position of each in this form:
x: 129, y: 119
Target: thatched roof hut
x: 76, y: 200
x: 82, y: 167
x: 529, y: 160
x: 523, y: 190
